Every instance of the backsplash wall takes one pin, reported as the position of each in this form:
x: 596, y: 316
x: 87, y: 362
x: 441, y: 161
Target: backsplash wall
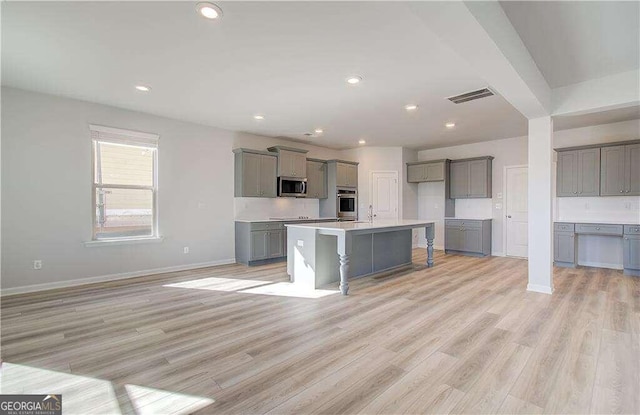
x: 282, y: 207
x: 623, y: 208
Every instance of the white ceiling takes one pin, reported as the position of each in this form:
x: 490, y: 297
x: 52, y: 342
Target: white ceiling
x: 286, y: 60
x: 574, y: 41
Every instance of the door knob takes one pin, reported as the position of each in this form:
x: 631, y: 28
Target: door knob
x: 509, y: 216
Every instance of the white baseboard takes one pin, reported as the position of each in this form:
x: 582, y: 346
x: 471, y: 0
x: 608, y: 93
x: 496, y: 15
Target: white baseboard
x: 111, y: 277
x: 540, y: 289
x: 599, y: 265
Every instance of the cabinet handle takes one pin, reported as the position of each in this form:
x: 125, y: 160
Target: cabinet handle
x: 621, y: 191
x: 636, y: 229
x: 597, y: 228
x: 628, y: 191
x: 575, y: 193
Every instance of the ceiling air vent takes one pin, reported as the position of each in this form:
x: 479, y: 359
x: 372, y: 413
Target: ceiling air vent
x: 470, y: 96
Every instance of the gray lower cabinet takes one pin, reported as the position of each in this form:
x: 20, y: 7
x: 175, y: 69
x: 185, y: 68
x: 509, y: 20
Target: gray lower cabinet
x: 470, y: 178
x: 631, y: 254
x: 260, y: 241
x: 468, y: 236
x: 427, y: 171
x: 255, y: 174
x: 564, y: 248
x: 578, y: 173
x: 316, y: 179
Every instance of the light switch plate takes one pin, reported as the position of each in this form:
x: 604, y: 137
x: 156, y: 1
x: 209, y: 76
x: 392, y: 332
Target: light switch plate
x: 498, y: 206
x: 300, y: 242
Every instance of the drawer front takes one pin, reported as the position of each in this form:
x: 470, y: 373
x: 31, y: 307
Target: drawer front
x: 266, y: 226
x: 632, y: 229
x: 597, y: 229
x: 475, y: 224
x: 563, y: 227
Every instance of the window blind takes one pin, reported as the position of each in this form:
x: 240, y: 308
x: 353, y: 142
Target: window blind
x: 125, y: 137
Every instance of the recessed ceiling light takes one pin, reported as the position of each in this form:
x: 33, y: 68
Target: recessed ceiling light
x: 362, y: 142
x: 450, y: 125
x: 209, y: 10
x: 258, y: 117
x: 143, y: 88
x: 411, y: 107
x: 319, y: 130
x: 354, y: 79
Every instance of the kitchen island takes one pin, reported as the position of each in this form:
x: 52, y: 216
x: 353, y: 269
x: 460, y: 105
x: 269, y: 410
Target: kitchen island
x: 323, y: 253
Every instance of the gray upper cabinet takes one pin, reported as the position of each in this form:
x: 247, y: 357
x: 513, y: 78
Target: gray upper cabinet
x: 255, y: 174
x: 632, y: 169
x: 291, y: 162
x: 470, y: 178
x: 612, y: 172
x: 428, y: 171
x: 316, y: 179
x: 578, y: 173
x: 346, y: 174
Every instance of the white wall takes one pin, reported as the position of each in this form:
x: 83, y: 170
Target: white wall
x: 46, y: 191
x: 513, y: 151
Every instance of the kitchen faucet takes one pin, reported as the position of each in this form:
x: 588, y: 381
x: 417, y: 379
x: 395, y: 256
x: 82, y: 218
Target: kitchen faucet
x: 370, y: 214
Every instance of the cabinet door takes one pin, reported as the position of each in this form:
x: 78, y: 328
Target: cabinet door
x: 567, y: 174
x: 285, y: 164
x: 322, y: 181
x: 478, y: 185
x: 314, y: 179
x: 631, y: 254
x: 268, y: 176
x: 612, y: 171
x: 589, y: 172
x: 251, y: 174
x: 352, y: 175
x: 434, y: 172
x: 299, y: 164
x: 415, y: 173
x: 275, y: 244
x: 459, y: 186
x: 341, y: 174
x: 564, y: 247
x: 453, y: 238
x: 632, y: 169
x: 259, y: 242
x: 472, y: 240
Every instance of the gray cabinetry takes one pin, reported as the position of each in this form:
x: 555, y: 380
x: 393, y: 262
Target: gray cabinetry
x: 469, y: 237
x: 346, y: 174
x: 620, y: 173
x: 631, y: 254
x: 426, y: 171
x: 255, y: 174
x: 291, y: 162
x: 578, y: 173
x: 316, y: 179
x: 470, y: 178
x: 564, y: 248
x: 257, y: 242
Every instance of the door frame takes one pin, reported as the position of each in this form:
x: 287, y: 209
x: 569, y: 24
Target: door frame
x: 504, y: 205
x: 395, y: 172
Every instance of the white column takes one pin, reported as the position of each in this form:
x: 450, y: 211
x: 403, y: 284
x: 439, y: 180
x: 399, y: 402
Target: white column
x: 540, y: 205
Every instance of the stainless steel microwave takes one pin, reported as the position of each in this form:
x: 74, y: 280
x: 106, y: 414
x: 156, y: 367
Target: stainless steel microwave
x: 292, y: 187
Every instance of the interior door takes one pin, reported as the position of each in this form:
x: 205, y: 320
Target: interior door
x: 516, y: 212
x: 384, y: 194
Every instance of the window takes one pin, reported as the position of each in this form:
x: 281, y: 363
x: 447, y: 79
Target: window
x: 125, y: 184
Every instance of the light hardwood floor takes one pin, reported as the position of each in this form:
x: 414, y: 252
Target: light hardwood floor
x: 462, y: 337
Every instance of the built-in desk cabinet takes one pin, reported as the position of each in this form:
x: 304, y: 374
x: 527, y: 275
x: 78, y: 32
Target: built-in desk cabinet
x: 255, y: 173
x: 565, y: 243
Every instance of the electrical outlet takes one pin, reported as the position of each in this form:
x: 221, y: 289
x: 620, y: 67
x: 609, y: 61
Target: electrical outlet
x: 185, y: 250
x: 37, y: 264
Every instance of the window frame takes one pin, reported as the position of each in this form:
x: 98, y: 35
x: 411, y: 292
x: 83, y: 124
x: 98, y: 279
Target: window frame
x: 132, y: 139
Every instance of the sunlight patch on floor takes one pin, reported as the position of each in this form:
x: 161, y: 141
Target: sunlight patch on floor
x: 156, y: 401
x: 80, y: 394
x: 287, y: 289
x: 218, y: 284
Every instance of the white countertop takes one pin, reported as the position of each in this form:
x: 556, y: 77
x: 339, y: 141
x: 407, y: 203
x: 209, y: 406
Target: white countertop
x: 283, y: 219
x: 468, y: 218
x: 363, y: 225
x: 600, y: 221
